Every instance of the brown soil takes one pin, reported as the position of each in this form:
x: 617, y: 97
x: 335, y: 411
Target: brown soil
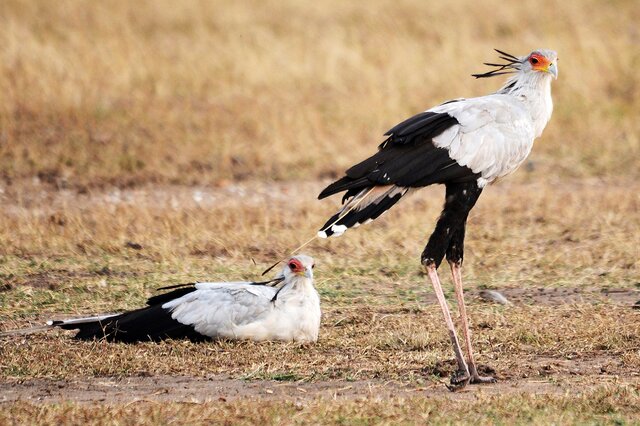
x: 219, y: 388
x: 564, y: 295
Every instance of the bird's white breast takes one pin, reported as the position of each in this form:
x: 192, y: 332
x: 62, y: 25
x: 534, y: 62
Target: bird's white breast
x: 295, y: 317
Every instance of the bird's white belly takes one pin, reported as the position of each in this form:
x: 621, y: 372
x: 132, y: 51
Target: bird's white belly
x: 294, y: 320
x: 293, y: 324
x: 514, y: 155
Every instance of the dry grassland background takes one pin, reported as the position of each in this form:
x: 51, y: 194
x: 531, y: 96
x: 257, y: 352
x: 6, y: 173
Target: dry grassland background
x: 196, y: 92
x: 150, y: 143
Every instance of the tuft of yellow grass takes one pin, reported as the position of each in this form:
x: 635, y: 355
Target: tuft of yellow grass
x: 202, y: 92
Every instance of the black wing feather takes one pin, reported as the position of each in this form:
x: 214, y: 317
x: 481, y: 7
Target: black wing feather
x: 407, y: 158
x: 420, y: 125
x: 177, y: 291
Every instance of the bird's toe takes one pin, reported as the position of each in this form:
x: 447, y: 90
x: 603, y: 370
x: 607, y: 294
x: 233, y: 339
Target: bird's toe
x: 477, y: 379
x: 459, y: 380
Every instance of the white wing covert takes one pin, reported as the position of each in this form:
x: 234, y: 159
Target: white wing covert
x: 222, y: 306
x: 494, y: 135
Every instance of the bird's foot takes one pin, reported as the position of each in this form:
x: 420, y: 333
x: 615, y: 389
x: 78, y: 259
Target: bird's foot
x: 478, y: 379
x: 459, y: 380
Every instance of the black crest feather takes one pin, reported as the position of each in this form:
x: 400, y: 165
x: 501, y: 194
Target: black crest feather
x: 512, y: 64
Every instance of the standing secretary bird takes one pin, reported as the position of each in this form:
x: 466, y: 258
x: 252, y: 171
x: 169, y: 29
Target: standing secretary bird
x: 464, y: 144
x: 285, y: 308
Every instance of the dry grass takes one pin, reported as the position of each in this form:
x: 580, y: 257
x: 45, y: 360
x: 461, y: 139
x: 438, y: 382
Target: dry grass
x: 579, y: 234
x: 405, y: 344
x: 154, y: 143
x: 379, y: 321
x: 600, y: 405
x: 202, y: 92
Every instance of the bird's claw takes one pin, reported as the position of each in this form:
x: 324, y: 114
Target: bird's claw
x: 459, y: 380
x: 477, y: 379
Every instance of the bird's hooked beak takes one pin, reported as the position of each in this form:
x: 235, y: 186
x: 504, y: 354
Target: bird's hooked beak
x: 553, y: 70
x: 307, y: 273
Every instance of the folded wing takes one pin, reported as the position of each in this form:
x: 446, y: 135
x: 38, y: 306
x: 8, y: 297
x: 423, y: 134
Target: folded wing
x: 459, y: 141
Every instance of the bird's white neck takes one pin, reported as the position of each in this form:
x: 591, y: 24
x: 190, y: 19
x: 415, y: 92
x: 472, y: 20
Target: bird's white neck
x: 296, y: 286
x: 533, y: 89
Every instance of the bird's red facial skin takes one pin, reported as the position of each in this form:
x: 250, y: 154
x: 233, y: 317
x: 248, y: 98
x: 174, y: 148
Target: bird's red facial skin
x: 296, y: 266
x: 539, y: 62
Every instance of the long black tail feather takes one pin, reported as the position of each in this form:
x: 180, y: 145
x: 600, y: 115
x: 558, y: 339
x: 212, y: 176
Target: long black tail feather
x: 364, y: 207
x: 152, y: 323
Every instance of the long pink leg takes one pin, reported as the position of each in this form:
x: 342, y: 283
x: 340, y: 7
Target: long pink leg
x: 461, y: 377
x: 457, y: 285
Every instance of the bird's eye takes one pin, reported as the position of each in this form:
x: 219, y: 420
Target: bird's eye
x: 292, y: 265
x: 534, y: 60
x: 313, y: 266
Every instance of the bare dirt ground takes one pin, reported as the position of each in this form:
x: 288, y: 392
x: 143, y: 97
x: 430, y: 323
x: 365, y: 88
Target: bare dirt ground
x: 198, y: 390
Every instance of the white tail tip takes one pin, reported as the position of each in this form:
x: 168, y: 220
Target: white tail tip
x: 338, y: 230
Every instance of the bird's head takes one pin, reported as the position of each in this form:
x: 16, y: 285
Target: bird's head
x: 299, y: 266
x: 541, y: 60
x: 538, y: 61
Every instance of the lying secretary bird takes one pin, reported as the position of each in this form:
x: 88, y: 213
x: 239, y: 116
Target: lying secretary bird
x: 464, y: 144
x: 286, y: 308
